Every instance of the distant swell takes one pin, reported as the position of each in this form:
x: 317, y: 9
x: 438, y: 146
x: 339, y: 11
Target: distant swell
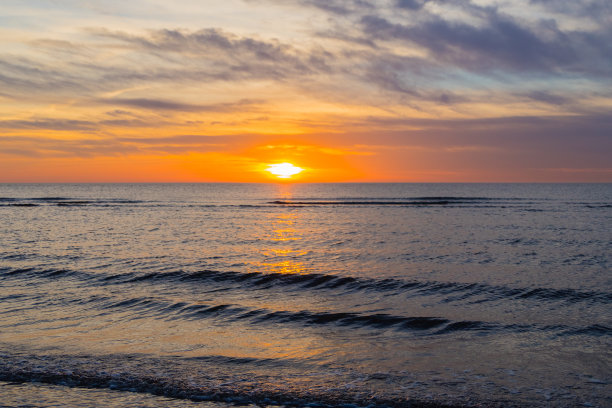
x: 399, y: 203
x: 424, y: 201
x: 62, y: 201
x: 402, y: 202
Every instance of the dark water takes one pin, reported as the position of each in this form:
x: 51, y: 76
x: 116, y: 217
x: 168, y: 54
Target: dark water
x: 307, y: 295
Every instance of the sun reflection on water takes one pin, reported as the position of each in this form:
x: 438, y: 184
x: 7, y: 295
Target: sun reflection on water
x: 281, y: 238
x: 284, y: 267
x: 283, y: 227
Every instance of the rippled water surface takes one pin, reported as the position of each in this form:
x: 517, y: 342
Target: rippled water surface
x: 328, y: 294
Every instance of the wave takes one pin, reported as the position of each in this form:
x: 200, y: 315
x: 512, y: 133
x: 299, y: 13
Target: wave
x: 592, y: 330
x: 466, y: 291
x: 474, y: 293
x: 157, y: 308
x: 182, y: 310
x: 33, y: 272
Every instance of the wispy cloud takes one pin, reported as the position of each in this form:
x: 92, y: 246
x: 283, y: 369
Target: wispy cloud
x: 500, y: 42
x: 49, y: 124
x: 166, y: 105
x: 221, y: 55
x: 41, y: 146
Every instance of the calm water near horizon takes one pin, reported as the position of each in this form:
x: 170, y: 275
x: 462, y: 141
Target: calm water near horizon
x: 305, y: 294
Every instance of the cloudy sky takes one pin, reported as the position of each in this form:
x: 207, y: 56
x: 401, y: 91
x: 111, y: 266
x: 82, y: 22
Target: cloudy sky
x: 349, y: 90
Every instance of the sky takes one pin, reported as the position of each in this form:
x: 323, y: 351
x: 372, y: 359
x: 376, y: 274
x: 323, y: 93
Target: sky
x: 348, y: 90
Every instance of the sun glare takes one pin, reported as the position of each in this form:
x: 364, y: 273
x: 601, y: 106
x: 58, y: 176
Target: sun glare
x: 284, y: 170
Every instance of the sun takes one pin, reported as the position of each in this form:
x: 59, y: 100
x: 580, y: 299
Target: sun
x: 284, y: 170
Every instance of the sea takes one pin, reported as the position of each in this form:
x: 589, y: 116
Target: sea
x: 305, y: 295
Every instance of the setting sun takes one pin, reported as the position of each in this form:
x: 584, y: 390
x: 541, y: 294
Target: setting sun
x: 284, y: 170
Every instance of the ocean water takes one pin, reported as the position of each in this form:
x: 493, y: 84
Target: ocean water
x: 309, y: 295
